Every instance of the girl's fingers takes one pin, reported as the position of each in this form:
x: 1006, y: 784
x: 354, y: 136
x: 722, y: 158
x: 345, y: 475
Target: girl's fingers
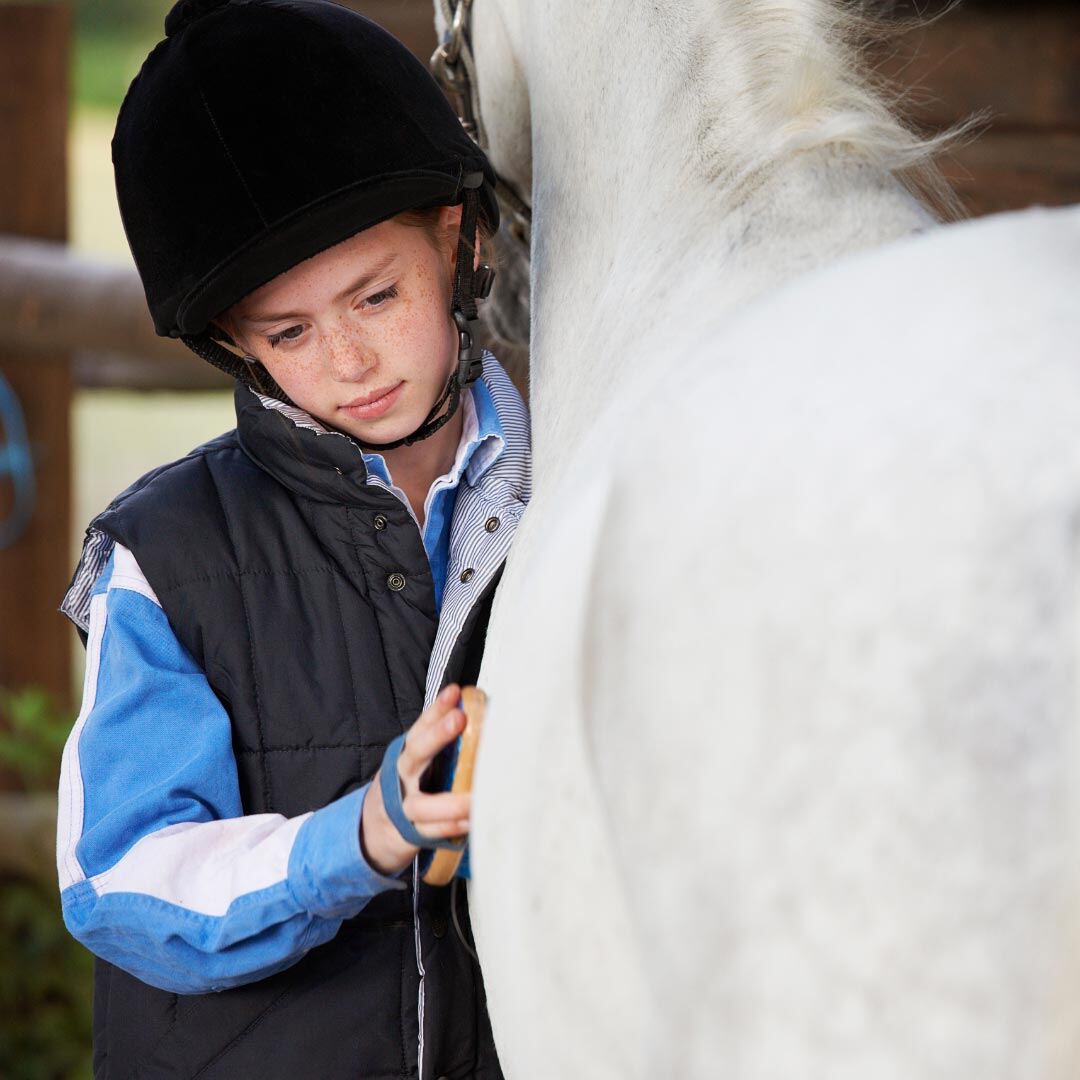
x: 443, y: 829
x: 439, y: 724
x: 441, y: 806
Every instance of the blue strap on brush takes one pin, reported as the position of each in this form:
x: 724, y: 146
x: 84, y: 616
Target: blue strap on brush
x: 390, y: 784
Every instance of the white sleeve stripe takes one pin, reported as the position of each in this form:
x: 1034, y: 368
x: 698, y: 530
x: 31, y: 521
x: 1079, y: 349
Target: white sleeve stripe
x: 204, y: 866
x: 70, y: 797
x: 128, y: 575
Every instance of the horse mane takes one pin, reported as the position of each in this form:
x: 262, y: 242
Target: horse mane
x: 807, y: 81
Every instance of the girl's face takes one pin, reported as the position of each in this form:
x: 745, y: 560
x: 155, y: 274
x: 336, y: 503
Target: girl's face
x: 360, y: 335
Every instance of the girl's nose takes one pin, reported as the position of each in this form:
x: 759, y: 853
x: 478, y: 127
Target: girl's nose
x: 348, y: 357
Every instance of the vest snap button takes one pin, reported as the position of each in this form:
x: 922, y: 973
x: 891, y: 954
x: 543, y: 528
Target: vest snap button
x: 491, y: 524
x: 396, y: 582
x: 467, y: 573
x: 380, y: 521
x: 338, y: 471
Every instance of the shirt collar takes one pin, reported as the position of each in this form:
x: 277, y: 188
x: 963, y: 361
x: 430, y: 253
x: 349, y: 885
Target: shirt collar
x: 489, y: 440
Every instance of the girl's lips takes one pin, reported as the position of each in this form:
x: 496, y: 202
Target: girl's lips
x: 376, y: 407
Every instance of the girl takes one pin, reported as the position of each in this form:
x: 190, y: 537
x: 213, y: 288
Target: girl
x: 267, y: 615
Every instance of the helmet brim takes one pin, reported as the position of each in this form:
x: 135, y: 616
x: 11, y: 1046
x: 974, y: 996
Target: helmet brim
x: 313, y: 229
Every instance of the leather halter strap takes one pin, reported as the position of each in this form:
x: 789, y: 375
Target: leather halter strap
x: 454, y: 69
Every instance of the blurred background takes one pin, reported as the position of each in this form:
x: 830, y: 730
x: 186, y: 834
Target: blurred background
x: 90, y: 399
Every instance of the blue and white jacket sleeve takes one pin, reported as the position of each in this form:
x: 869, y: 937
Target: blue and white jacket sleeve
x: 161, y: 872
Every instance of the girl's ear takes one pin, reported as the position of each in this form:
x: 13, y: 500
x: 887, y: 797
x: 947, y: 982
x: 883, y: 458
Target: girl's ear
x: 450, y: 219
x: 449, y: 224
x: 450, y: 216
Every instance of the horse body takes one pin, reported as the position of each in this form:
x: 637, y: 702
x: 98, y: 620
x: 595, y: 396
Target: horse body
x: 780, y: 771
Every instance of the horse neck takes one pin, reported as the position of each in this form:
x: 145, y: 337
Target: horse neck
x: 653, y: 223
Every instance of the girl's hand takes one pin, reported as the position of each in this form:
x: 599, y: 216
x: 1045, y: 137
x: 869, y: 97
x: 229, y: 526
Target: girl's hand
x: 436, y: 815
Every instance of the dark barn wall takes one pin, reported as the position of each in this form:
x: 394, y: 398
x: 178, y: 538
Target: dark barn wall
x: 1020, y: 61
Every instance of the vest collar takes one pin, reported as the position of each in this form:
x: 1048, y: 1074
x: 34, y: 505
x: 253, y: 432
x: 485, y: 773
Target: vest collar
x: 309, y: 459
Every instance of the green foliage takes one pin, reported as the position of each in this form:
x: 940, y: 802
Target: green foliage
x: 46, y: 988
x: 121, y: 16
x: 46, y: 976
x: 111, y: 40
x: 105, y: 62
x: 33, y: 730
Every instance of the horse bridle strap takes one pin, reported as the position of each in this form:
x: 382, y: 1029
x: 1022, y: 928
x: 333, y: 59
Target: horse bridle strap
x: 454, y: 69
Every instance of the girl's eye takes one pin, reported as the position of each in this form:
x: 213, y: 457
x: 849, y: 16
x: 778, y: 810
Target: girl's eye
x: 375, y: 300
x: 284, y: 336
x: 381, y: 297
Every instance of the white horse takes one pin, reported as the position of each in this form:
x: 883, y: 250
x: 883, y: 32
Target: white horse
x: 780, y: 771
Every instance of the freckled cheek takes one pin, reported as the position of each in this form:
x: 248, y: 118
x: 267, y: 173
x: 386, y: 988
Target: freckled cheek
x: 419, y: 325
x: 396, y: 329
x: 296, y: 373
x: 304, y: 368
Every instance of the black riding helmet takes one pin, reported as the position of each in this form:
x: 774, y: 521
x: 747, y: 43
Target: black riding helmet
x: 261, y: 132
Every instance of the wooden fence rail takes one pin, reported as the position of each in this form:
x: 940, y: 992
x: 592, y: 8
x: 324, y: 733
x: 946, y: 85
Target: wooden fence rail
x: 52, y: 298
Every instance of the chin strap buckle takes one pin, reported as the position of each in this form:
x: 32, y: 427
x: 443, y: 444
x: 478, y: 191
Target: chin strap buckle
x: 470, y: 355
x: 483, y: 276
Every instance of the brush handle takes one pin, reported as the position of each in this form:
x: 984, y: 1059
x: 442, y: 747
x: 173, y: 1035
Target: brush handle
x: 444, y: 863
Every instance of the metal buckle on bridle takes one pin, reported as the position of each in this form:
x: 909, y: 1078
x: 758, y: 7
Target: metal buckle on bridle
x: 448, y: 67
x: 456, y: 36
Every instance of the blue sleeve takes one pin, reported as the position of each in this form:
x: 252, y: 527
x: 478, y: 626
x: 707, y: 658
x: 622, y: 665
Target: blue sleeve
x: 161, y: 873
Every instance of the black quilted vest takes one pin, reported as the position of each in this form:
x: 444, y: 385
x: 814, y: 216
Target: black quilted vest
x: 262, y: 547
